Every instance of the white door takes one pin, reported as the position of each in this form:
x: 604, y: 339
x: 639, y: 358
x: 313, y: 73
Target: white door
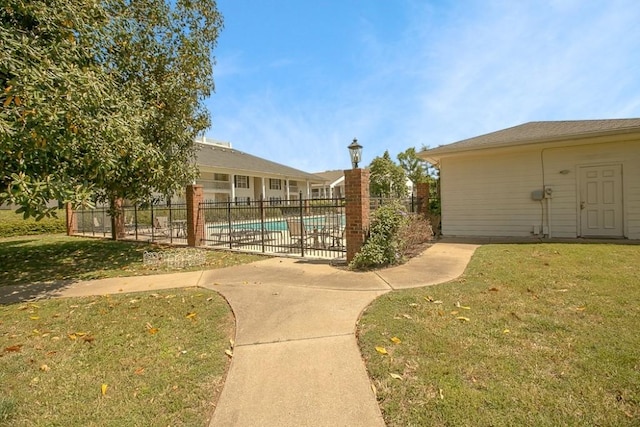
x: 601, y: 201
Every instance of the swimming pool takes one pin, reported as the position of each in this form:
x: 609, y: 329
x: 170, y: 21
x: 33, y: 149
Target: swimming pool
x: 279, y: 224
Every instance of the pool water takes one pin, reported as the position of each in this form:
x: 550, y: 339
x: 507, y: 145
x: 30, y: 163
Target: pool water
x: 275, y: 225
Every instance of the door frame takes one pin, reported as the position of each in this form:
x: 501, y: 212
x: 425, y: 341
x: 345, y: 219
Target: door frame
x: 579, y: 169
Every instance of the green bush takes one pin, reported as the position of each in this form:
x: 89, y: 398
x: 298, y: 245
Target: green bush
x: 12, y: 224
x: 383, y: 246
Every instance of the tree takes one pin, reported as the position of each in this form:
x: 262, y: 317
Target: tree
x: 101, y: 99
x: 387, y: 178
x: 413, y: 166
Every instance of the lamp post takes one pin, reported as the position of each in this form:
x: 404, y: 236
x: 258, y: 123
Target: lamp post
x: 355, y: 152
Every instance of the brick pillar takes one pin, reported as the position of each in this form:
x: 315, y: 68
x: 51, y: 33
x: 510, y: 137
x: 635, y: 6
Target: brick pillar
x: 422, y: 192
x: 356, y: 184
x: 195, y: 217
x: 119, y: 218
x: 72, y: 221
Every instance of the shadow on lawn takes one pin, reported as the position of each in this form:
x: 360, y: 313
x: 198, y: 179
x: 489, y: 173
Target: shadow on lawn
x: 33, y: 268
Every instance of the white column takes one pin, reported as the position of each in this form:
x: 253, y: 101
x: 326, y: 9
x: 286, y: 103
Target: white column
x: 286, y: 184
x: 233, y: 188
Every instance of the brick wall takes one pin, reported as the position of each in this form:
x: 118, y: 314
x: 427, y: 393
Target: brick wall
x: 195, y: 218
x: 422, y: 192
x: 356, y: 208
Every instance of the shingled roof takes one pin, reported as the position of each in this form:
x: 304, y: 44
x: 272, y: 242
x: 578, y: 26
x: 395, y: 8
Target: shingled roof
x: 220, y: 157
x: 536, y: 132
x: 331, y: 176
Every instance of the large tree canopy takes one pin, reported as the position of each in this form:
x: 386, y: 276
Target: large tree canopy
x: 413, y: 166
x: 387, y: 178
x: 101, y: 99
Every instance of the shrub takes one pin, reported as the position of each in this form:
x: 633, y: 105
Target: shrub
x: 414, y: 235
x: 12, y: 224
x: 383, y: 246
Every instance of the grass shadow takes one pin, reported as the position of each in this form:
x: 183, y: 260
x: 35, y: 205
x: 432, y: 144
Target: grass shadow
x: 33, y: 267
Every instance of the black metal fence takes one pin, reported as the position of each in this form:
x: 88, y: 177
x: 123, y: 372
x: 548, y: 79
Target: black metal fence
x: 151, y: 223
x: 410, y: 203
x: 307, y: 228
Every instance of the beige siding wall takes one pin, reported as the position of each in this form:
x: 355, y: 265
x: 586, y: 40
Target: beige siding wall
x: 490, y: 194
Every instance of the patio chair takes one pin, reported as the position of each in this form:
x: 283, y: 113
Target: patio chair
x: 297, y: 232
x: 99, y: 227
x: 161, y: 225
x: 334, y: 230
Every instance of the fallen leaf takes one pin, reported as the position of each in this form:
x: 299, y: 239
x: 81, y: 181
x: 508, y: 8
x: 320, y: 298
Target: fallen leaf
x: 72, y: 336
x: 139, y: 371
x: 191, y: 315
x: 88, y: 338
x: 396, y: 376
x: 153, y: 331
x: 103, y: 389
x: 34, y: 317
x: 413, y: 304
x: 581, y: 308
x: 406, y: 316
x: 493, y: 289
x: 45, y: 368
x: 396, y: 340
x: 454, y: 312
x: 428, y: 298
x: 381, y: 350
x: 506, y: 331
x: 13, y: 348
x: 464, y: 319
x: 228, y: 353
x: 232, y: 343
x: 437, y: 302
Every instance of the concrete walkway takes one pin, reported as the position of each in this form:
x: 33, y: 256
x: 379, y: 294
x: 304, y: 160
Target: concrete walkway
x: 296, y: 360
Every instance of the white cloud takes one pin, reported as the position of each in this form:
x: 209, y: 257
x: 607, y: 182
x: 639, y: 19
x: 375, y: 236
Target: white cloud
x: 448, y: 73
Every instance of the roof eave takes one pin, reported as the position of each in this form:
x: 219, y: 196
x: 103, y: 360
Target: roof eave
x: 434, y: 155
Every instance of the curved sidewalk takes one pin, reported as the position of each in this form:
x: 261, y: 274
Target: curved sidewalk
x: 296, y: 360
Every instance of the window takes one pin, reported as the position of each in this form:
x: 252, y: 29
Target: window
x: 275, y: 200
x: 220, y: 177
x: 275, y: 184
x: 241, y: 181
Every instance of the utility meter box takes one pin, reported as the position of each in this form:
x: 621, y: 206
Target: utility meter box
x: 537, y: 195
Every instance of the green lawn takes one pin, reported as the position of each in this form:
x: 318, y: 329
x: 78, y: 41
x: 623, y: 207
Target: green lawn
x: 147, y: 359
x: 52, y: 257
x: 532, y: 334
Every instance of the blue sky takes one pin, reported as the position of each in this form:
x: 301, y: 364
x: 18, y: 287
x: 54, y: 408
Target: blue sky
x: 297, y: 80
